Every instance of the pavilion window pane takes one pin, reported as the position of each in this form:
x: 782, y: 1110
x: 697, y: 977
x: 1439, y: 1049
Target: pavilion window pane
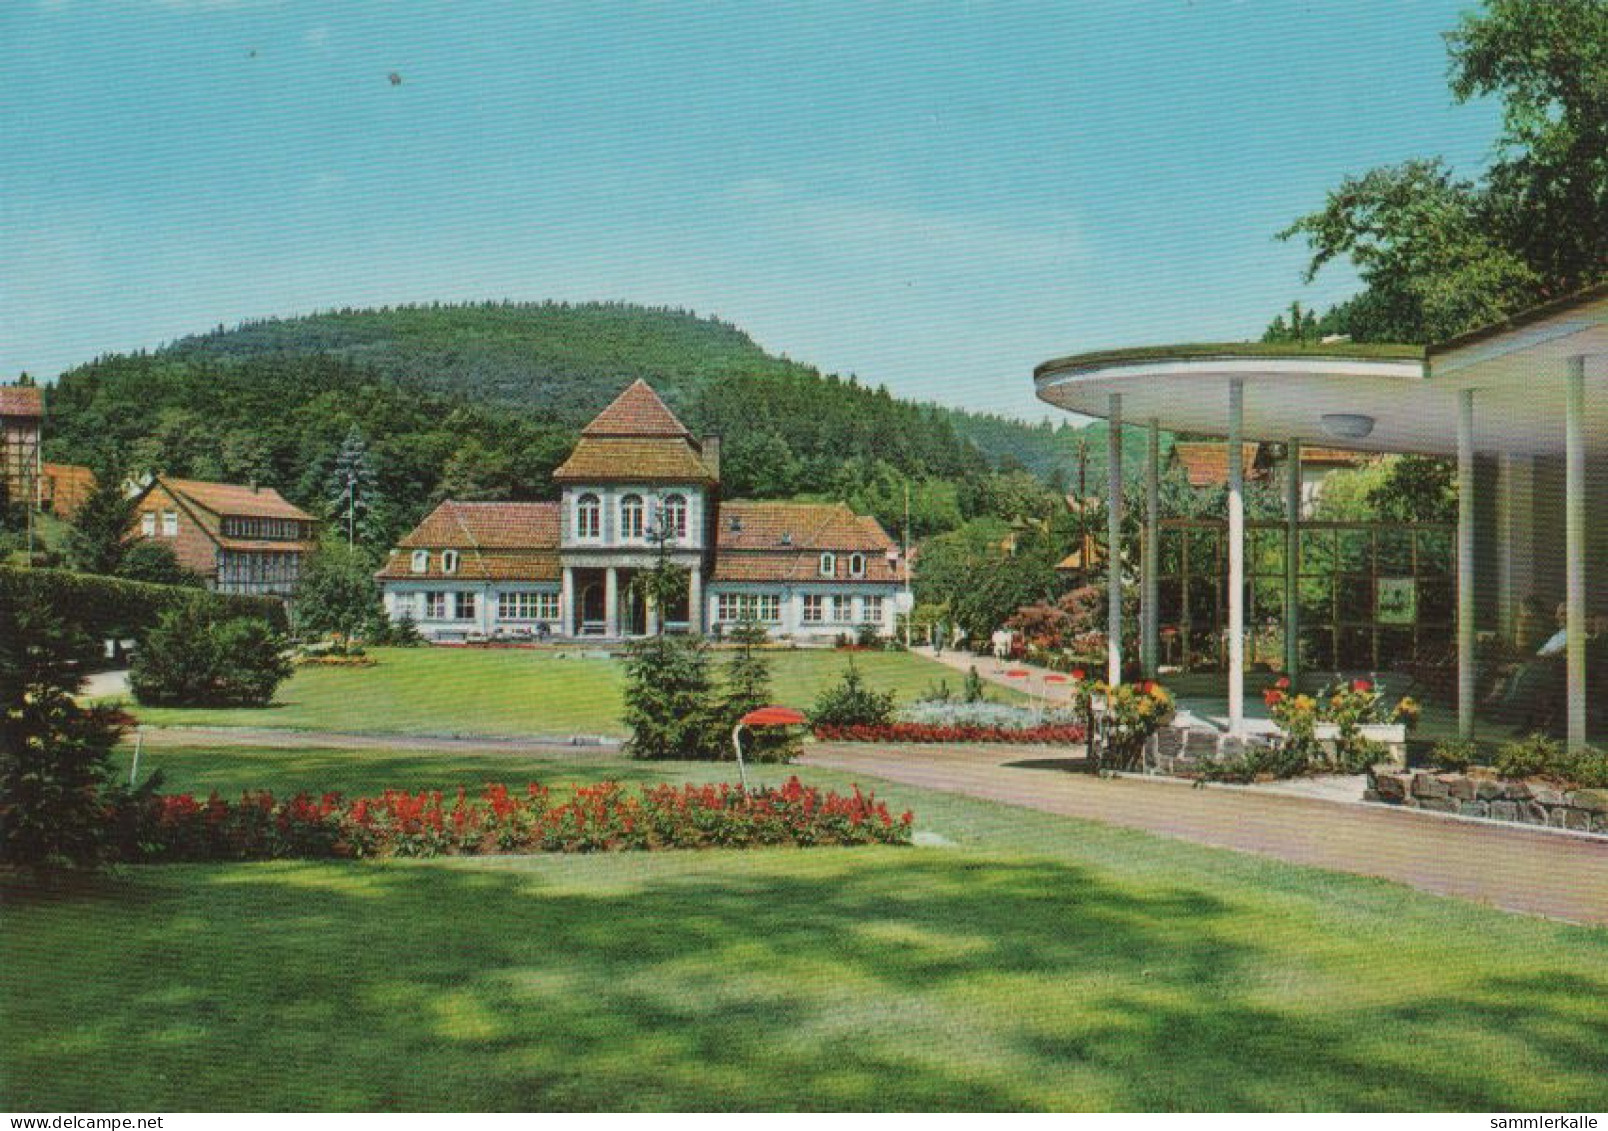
x: 1317, y: 601
x: 1317, y: 648
x: 1266, y: 552
x: 1202, y: 551
x: 1172, y: 552
x: 1317, y: 551
x: 1437, y: 602
x: 1354, y: 648
x: 1355, y: 550
x: 1434, y: 551
x: 1395, y: 550
x: 1354, y: 599
x: 1170, y: 600
x: 1395, y: 645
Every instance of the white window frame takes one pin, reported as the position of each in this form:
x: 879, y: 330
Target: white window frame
x: 170, y: 523
x: 842, y: 609
x: 435, y: 604
x: 420, y: 562
x: 674, y: 509
x: 547, y: 606
x: 856, y: 565
x: 449, y: 561
x: 464, y: 604
x: 589, y: 513
x: 871, y: 609
x: 633, y: 516
x: 828, y: 565
x: 148, y: 524
x: 814, y: 608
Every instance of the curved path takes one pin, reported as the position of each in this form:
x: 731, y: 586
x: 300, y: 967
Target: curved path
x: 1512, y: 867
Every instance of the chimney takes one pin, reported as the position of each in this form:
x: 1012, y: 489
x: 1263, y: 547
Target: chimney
x: 711, y: 455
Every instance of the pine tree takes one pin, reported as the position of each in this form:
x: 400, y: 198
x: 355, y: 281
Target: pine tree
x: 100, y: 525
x: 354, y: 486
x: 668, y: 699
x: 745, y: 687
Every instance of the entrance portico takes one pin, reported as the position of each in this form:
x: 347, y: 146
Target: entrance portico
x: 1523, y: 407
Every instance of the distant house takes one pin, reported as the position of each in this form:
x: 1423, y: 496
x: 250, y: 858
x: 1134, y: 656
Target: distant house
x: 63, y: 487
x: 1205, y: 465
x: 239, y: 539
x: 22, y: 418
x: 638, y: 477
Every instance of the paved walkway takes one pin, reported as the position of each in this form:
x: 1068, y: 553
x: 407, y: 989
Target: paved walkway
x: 1517, y: 869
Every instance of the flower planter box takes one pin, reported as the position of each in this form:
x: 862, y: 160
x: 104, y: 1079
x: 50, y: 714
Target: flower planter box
x: 1392, y: 735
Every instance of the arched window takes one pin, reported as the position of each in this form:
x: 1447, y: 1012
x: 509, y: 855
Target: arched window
x: 421, y: 561
x: 856, y: 565
x: 675, y: 516
x: 588, y: 517
x: 449, y: 561
x: 828, y: 565
x: 631, y: 516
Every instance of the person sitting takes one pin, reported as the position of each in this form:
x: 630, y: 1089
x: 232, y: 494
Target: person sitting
x: 1535, y: 688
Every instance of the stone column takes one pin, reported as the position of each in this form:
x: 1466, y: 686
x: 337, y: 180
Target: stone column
x: 569, y: 616
x: 695, y: 612
x: 611, y: 603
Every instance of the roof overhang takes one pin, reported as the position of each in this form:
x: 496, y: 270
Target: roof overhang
x: 1517, y: 369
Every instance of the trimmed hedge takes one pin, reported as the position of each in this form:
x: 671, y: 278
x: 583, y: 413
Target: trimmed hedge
x: 109, y: 608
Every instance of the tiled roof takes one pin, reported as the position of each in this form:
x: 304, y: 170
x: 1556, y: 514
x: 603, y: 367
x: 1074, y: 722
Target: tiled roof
x: 232, y: 499
x: 494, y: 565
x: 21, y: 400
x: 801, y: 526
x: 766, y: 541
x: 636, y: 412
x: 488, y: 526
x: 1342, y: 456
x: 628, y: 459
x: 1206, y: 464
x: 66, y: 486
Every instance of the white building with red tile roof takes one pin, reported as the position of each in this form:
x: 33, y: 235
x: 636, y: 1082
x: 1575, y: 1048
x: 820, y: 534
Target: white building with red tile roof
x: 637, y: 477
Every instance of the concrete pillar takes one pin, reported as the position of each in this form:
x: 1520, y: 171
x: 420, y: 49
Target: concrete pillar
x: 1114, y: 543
x: 611, y: 603
x: 652, y: 624
x: 567, y: 612
x: 695, y: 612
x: 1574, y: 551
x: 1236, y: 557
x: 1292, y: 558
x: 1467, y: 685
x: 1150, y: 619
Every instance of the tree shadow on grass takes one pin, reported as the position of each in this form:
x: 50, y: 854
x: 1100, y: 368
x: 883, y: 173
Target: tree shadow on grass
x: 865, y: 979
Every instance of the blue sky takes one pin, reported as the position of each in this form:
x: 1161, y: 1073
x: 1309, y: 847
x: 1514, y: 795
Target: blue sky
x: 934, y: 196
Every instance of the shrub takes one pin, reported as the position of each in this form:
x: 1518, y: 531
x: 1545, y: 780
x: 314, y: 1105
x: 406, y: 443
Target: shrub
x: 597, y: 818
x: 1530, y: 757
x: 1133, y: 712
x: 973, y: 691
x: 1258, y: 761
x: 1047, y: 734
x: 849, y: 702
x: 400, y: 633
x: 869, y: 636
x: 1453, y: 755
x: 110, y: 607
x: 156, y: 563
x: 1586, y: 768
x: 746, y: 685
x: 54, y: 754
x: 192, y: 658
x: 337, y: 593
x: 669, y: 708
x: 993, y: 716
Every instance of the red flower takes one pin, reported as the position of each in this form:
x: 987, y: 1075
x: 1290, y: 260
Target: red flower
x: 1079, y: 674
x: 1272, y: 697
x: 1361, y: 685
x: 1282, y: 683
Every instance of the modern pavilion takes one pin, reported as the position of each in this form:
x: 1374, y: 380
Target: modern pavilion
x: 1522, y: 405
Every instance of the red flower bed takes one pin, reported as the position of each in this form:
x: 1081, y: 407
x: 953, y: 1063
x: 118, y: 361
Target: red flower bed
x: 1060, y: 735
x: 599, y: 818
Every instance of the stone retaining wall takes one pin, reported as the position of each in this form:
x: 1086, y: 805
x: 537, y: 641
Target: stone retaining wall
x: 1523, y: 802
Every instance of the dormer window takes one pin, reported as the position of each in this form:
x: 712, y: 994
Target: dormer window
x: 631, y: 512
x: 588, y: 517
x: 421, y: 561
x: 449, y: 561
x: 856, y: 565
x: 828, y: 565
x: 735, y: 525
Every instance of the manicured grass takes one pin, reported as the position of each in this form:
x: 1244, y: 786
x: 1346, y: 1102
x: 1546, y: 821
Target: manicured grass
x: 1035, y: 962
x: 512, y: 691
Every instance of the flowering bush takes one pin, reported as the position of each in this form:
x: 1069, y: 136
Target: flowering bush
x: 1060, y: 734
x: 1349, y: 705
x: 1133, y: 712
x: 599, y: 818
x: 995, y: 716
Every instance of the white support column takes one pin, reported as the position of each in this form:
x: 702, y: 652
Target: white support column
x: 566, y: 603
x: 1236, y: 557
x: 1292, y: 558
x: 1150, y: 619
x: 1574, y: 502
x: 1515, y: 542
x: 1467, y: 685
x: 1114, y: 543
x: 611, y: 603
x: 695, y: 600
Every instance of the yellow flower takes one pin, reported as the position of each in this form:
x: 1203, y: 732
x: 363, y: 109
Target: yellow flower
x: 1305, y: 703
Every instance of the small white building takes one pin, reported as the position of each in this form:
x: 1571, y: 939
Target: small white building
x: 473, y: 571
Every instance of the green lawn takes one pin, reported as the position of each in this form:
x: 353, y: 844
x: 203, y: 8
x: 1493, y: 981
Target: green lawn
x: 1033, y: 962
x: 509, y: 691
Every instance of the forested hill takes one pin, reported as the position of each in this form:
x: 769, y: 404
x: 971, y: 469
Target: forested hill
x: 482, y: 401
